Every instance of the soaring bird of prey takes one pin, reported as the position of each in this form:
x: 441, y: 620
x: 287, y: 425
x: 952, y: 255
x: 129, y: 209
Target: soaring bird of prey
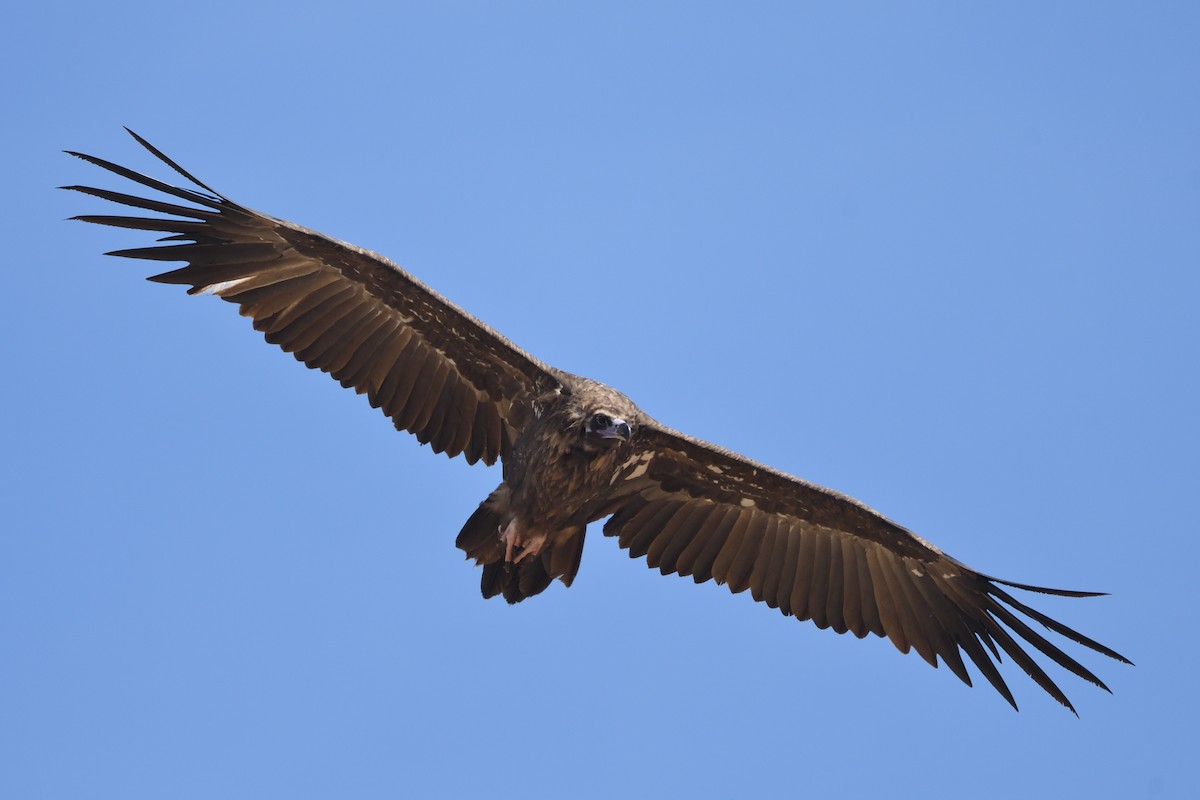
x: 575, y: 451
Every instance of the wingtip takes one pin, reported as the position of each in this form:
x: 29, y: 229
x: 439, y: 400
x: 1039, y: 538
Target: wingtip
x: 1067, y: 704
x: 170, y: 163
x: 1028, y: 587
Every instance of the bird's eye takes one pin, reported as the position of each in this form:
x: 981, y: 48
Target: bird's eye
x: 601, y: 421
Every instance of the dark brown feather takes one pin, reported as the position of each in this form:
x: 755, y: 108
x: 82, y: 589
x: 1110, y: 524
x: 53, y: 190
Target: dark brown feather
x: 729, y: 549
x: 824, y: 564
x: 775, y: 562
x: 679, y: 528
x: 802, y: 582
x: 742, y: 564
x: 787, y: 574
x: 702, y: 566
x: 852, y: 608
x: 762, y: 563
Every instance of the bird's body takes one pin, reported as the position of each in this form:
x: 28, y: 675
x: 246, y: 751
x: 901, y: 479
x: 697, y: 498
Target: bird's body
x: 559, y: 473
x: 575, y: 451
x: 562, y: 474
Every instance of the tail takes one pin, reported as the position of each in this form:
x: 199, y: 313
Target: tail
x: 480, y: 540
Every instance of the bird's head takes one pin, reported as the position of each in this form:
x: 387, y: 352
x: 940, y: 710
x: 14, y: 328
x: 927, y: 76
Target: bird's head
x: 596, y: 418
x: 605, y: 427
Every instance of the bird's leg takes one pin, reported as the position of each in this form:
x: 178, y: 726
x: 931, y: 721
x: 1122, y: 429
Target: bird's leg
x: 513, y: 541
x: 508, y: 535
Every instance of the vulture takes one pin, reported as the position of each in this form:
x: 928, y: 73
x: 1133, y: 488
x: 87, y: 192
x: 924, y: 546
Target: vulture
x: 575, y: 451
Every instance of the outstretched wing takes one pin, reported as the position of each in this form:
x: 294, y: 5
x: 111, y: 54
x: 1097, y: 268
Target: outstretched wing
x: 435, y: 370
x: 696, y: 509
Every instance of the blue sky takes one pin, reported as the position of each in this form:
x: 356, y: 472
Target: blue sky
x: 943, y: 259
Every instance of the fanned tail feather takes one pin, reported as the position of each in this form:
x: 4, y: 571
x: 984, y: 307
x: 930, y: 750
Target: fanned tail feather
x: 480, y: 540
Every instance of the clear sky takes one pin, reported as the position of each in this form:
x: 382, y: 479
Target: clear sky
x: 943, y: 259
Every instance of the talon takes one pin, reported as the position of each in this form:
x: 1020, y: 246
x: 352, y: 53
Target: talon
x: 511, y: 536
x: 531, y: 547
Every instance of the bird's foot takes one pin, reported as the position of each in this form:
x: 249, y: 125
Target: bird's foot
x: 517, y: 547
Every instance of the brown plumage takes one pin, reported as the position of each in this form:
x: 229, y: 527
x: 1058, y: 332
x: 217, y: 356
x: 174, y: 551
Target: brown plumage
x: 575, y: 451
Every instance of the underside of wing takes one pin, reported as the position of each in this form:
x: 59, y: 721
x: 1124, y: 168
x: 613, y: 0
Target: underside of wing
x: 698, y: 510
x: 438, y: 372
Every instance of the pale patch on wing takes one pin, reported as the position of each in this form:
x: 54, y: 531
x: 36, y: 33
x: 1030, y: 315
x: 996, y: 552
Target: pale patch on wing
x: 223, y: 286
x: 747, y: 502
x: 639, y: 470
x: 633, y: 468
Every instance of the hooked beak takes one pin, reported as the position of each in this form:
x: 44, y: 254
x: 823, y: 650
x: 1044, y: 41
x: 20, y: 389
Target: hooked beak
x: 619, y: 429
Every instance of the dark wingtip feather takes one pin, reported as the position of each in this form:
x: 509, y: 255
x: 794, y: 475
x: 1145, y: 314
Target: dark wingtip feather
x: 1046, y: 647
x: 1059, y: 627
x: 148, y: 253
x: 162, y: 157
x: 150, y: 205
x: 1046, y: 590
x: 211, y: 200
